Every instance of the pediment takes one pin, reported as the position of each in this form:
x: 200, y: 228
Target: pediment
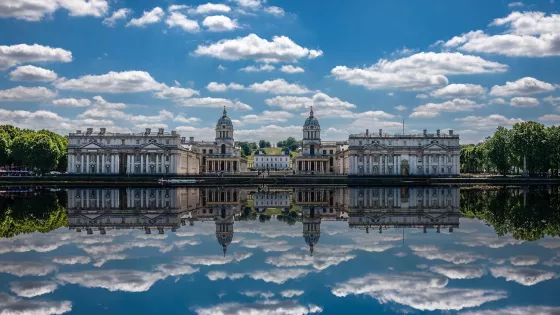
x: 435, y: 146
x: 151, y: 146
x: 92, y: 145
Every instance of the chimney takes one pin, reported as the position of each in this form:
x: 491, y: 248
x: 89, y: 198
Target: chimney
x: 148, y: 131
x: 438, y: 132
x: 425, y: 132
x: 367, y: 132
x: 102, y: 131
x: 380, y: 132
x: 173, y: 133
x: 160, y: 131
x: 89, y: 131
x: 78, y: 132
x: 191, y: 139
x: 183, y: 139
x: 450, y: 132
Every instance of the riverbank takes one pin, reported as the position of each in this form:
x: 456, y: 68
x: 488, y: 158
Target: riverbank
x: 210, y: 180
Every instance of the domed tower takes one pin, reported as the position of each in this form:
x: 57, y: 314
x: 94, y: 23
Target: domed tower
x: 311, y: 135
x: 224, y: 134
x: 224, y: 229
x: 311, y: 228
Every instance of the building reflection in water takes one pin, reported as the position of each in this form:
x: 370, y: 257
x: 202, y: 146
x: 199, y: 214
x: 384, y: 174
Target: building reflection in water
x: 161, y: 209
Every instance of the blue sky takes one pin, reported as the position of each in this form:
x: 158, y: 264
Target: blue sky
x: 128, y: 65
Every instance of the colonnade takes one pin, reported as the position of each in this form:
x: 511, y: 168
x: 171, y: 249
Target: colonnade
x: 384, y: 164
x: 318, y: 166
x: 222, y: 165
x: 93, y: 163
x: 145, y: 163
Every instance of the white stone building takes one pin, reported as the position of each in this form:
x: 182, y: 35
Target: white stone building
x: 129, y: 153
x: 271, y: 199
x: 263, y: 161
x: 400, y: 155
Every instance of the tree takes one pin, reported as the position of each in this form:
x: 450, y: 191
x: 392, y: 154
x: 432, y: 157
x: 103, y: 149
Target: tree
x: 529, y: 140
x: 21, y: 150
x: 499, y: 150
x: 44, y: 153
x: 553, y: 140
x: 5, y: 143
x: 262, y: 144
x: 245, y: 149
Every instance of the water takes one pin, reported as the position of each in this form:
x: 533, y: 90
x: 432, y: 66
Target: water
x: 277, y: 250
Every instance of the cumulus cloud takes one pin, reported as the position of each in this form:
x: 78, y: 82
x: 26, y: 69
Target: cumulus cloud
x: 530, y: 23
x: 33, y: 11
x: 12, y: 305
x: 264, y: 295
x: 422, y: 96
x: 261, y: 68
x: 112, y: 280
x: 267, y: 245
x: 267, y: 116
x: 24, y: 94
x: 175, y: 93
x: 148, y: 17
x: 420, y: 71
x: 32, y: 73
x: 17, y: 54
x: 175, y: 270
x: 280, y: 49
x: 524, y: 102
x: 523, y: 86
x: 318, y: 101
x: 552, y: 100
x: 319, y: 261
x: 434, y: 109
x: 291, y: 69
x: 120, y: 14
x: 291, y: 293
x: 277, y: 276
x: 459, y: 271
x: 460, y: 91
x: 527, y: 260
x: 211, y: 260
x: 211, y: 102
x: 518, y: 310
x: 259, y: 307
x: 400, y: 108
x: 210, y: 8
x: 112, y: 82
x: 420, y: 290
x: 455, y: 257
x: 498, y: 100
x: 524, y: 276
x: 26, y: 268
x: 277, y: 11
x: 277, y: 86
x: 488, y: 240
x: 72, y: 260
x: 31, y: 289
x: 488, y: 122
x: 176, y: 19
x: 219, y: 23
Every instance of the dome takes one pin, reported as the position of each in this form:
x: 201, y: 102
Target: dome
x: 224, y: 120
x: 311, y: 120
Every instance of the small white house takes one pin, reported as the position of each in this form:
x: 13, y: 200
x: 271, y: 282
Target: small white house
x: 265, y: 161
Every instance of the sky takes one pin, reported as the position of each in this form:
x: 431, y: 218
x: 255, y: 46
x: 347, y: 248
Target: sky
x: 466, y: 65
x: 268, y: 270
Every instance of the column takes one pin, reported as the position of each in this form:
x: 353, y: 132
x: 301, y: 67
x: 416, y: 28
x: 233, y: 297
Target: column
x: 117, y: 163
x: 141, y: 163
x: 147, y: 163
x: 380, y: 165
x: 157, y: 163
x: 83, y: 164
x: 128, y: 163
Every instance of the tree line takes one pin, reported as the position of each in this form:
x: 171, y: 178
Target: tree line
x: 27, y: 149
x: 288, y: 145
x: 508, y: 150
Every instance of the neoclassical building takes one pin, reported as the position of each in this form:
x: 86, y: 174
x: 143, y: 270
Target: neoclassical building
x: 314, y: 159
x: 141, y: 153
x: 263, y: 161
x: 220, y: 155
x: 378, y: 154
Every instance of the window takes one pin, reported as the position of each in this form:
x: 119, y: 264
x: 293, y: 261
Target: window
x: 324, y: 151
x: 78, y: 141
x: 211, y: 151
x: 122, y: 141
x: 331, y: 152
x: 419, y: 143
x: 405, y: 142
x: 203, y: 151
x: 167, y: 158
x: 137, y: 141
x: 108, y: 141
x: 166, y: 141
x: 360, y: 142
x: 449, y: 159
x: 390, y: 142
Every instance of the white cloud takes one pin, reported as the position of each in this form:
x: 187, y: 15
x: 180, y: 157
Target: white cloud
x: 150, y: 125
x: 488, y: 122
x: 280, y: 49
x: 12, y: 305
x: 525, y: 102
x: 261, y: 294
x: 211, y: 102
x: 249, y: 3
x: 277, y: 86
x: 521, y: 87
x: 278, y: 276
x: 422, y: 96
x: 177, y: 7
x: 113, y: 280
x: 319, y: 261
x: 516, y: 4
x: 455, y: 257
x: 176, y: 19
x: 552, y: 100
x: 267, y: 116
x: 220, y: 23
x: 22, y: 94
x: 400, y: 108
x: 175, y: 270
x: 420, y: 71
x: 291, y: 69
x: 260, y: 307
x: 460, y: 91
x: 518, y: 310
x: 490, y: 241
x: 72, y: 260
x: 291, y: 293
x: 26, y: 268
x: 30, y: 289
x: 175, y: 93
x: 552, y: 118
x: 17, y: 54
x: 261, y: 68
x: 530, y: 23
x: 184, y: 120
x: 459, y: 271
x: 148, y: 17
x: 524, y: 276
x: 112, y: 82
x: 498, y: 100
x: 527, y: 260
x: 318, y: 101
x: 420, y: 290
x: 277, y: 11
x: 100, y: 102
x: 434, y: 109
x: 221, y: 68
x: 211, y: 260
x: 33, y: 11
x: 210, y: 8
x: 32, y: 73
x: 120, y: 14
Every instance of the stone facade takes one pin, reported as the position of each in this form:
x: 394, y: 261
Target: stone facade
x: 142, y: 153
x: 272, y: 161
x: 312, y: 160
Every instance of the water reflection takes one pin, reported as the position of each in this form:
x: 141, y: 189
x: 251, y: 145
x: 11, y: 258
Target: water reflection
x: 295, y: 250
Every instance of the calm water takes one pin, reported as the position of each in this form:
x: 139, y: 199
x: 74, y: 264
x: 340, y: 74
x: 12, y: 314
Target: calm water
x: 275, y: 250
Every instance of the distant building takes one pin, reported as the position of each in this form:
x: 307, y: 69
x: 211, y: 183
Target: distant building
x: 142, y: 153
x: 220, y: 155
x: 264, y: 161
x: 271, y: 199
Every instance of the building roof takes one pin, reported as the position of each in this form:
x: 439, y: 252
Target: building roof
x: 224, y: 120
x: 311, y: 120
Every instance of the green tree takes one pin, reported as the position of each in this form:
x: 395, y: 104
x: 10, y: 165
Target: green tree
x: 553, y: 140
x: 44, y: 153
x: 21, y: 150
x: 499, y: 150
x: 529, y: 140
x: 5, y: 143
